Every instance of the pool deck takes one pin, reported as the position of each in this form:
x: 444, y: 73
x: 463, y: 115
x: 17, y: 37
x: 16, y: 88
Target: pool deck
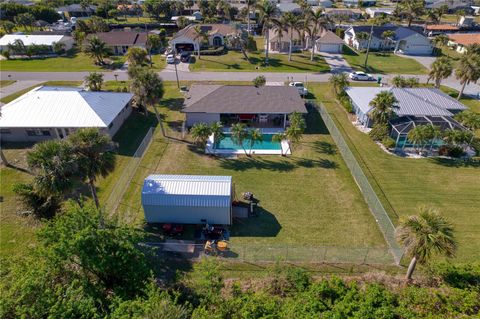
x: 209, y: 149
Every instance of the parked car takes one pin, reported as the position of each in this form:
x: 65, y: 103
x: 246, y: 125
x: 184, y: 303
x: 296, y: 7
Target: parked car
x: 360, y: 76
x: 185, y: 57
x: 302, y: 90
x: 170, y: 59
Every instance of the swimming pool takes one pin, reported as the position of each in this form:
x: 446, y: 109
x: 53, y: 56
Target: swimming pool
x: 227, y: 143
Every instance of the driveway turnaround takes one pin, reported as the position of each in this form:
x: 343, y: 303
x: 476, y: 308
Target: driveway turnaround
x: 336, y: 62
x: 426, y: 61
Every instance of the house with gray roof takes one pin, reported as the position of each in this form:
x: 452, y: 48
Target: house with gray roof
x: 404, y: 40
x: 266, y: 106
x: 415, y: 106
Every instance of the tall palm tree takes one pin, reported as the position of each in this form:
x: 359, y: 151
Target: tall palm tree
x: 440, y: 69
x: 267, y: 10
x: 54, y: 167
x: 94, y: 153
x: 147, y: 86
x: 439, y: 41
x: 217, y: 130
x: 388, y: 36
x: 200, y: 133
x: 254, y: 135
x: 202, y: 35
x: 423, y: 235
x: 383, y: 107
x: 239, y: 134
x: 279, y: 26
x: 97, y: 49
x: 293, y: 23
x: 153, y: 43
x: 339, y: 82
x: 317, y: 23
x: 468, y: 70
x: 249, y: 4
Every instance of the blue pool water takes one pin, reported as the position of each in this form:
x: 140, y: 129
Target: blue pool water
x: 267, y: 144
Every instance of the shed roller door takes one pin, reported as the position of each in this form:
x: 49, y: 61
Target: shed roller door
x: 330, y: 48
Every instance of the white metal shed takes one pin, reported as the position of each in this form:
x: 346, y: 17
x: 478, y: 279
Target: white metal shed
x: 187, y: 199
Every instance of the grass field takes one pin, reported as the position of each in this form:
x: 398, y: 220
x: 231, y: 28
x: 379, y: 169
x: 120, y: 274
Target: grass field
x: 4, y: 83
x: 307, y: 199
x: 404, y: 184
x: 75, y: 62
x: 384, y: 63
x: 235, y: 61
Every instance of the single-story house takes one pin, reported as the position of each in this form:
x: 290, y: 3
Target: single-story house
x: 329, y: 42
x: 358, y: 3
x: 375, y: 12
x: 54, y: 112
x: 405, y: 40
x: 120, y: 41
x: 461, y: 40
x: 76, y: 10
x: 436, y: 29
x: 350, y: 14
x: 325, y: 3
x: 415, y: 106
x: 289, y: 7
x: 196, y: 16
x: 30, y: 39
x: 188, y: 199
x: 269, y: 105
x: 188, y: 39
x: 453, y: 5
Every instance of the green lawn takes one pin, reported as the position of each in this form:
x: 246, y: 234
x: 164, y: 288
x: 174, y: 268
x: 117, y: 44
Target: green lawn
x: 235, y: 61
x: 384, y: 63
x: 4, y: 83
x: 72, y: 62
x: 404, y: 184
x: 307, y: 199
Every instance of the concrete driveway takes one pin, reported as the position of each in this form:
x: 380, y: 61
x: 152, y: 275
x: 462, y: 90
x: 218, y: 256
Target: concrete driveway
x: 181, y: 67
x: 426, y: 61
x: 336, y: 62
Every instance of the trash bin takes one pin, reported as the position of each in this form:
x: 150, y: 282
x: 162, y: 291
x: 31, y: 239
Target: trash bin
x: 379, y: 80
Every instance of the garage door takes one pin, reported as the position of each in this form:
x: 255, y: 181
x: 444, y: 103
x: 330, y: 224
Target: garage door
x: 184, y: 47
x: 330, y: 48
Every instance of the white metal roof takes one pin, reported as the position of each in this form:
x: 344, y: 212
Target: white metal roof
x: 29, y: 39
x: 411, y: 101
x: 187, y: 190
x: 63, y: 107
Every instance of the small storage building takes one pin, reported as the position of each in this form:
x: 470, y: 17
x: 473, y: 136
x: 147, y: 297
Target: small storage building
x: 187, y: 199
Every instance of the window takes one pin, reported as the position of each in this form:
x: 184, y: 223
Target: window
x: 37, y: 132
x: 5, y: 131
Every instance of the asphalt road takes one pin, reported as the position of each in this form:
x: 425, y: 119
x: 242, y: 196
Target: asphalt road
x: 169, y: 75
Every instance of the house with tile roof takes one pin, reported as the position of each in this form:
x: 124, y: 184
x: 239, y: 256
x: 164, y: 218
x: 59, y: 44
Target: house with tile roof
x: 460, y: 41
x: 405, y: 40
x: 188, y: 39
x: 54, y: 112
x: 120, y: 41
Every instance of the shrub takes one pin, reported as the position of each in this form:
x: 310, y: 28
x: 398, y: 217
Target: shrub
x: 389, y: 142
x: 455, y: 151
x: 461, y: 276
x: 251, y: 44
x: 215, y: 51
x: 124, y: 89
x: 379, y: 132
x: 259, y: 81
x: 345, y: 101
x: 6, y: 54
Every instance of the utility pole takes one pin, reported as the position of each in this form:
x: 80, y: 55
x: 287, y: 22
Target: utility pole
x: 368, y: 46
x: 175, y: 64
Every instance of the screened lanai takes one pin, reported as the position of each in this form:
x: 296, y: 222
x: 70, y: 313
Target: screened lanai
x: 404, y: 124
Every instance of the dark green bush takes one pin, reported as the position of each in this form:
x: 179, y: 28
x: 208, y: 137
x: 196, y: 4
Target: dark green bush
x: 389, y: 142
x: 379, y: 132
x: 215, y: 51
x: 455, y: 151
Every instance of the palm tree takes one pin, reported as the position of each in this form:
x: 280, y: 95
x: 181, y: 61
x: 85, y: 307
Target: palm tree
x: 440, y: 69
x: 136, y: 56
x: 339, y: 82
x: 279, y: 137
x: 54, y: 167
x: 249, y: 4
x: 317, y: 23
x: 217, y: 130
x: 423, y: 235
x: 388, y: 35
x: 439, y: 41
x: 94, y: 153
x: 153, y: 43
x: 469, y: 119
x: 94, y: 81
x: 200, y: 133
x: 459, y: 13
x: 468, y: 70
x: 239, y: 134
x: 267, y: 10
x: 280, y: 26
x: 147, y: 86
x: 202, y: 35
x: 254, y: 135
x: 97, y: 49
x: 411, y: 9
x: 293, y: 23
x: 418, y: 136
x: 383, y: 107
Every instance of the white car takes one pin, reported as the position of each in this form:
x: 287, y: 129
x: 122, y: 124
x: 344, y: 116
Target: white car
x: 302, y: 90
x: 170, y: 59
x: 360, y: 76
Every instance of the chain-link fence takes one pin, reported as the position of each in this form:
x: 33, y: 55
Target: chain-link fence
x: 279, y: 253
x: 124, y: 180
x: 376, y: 207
